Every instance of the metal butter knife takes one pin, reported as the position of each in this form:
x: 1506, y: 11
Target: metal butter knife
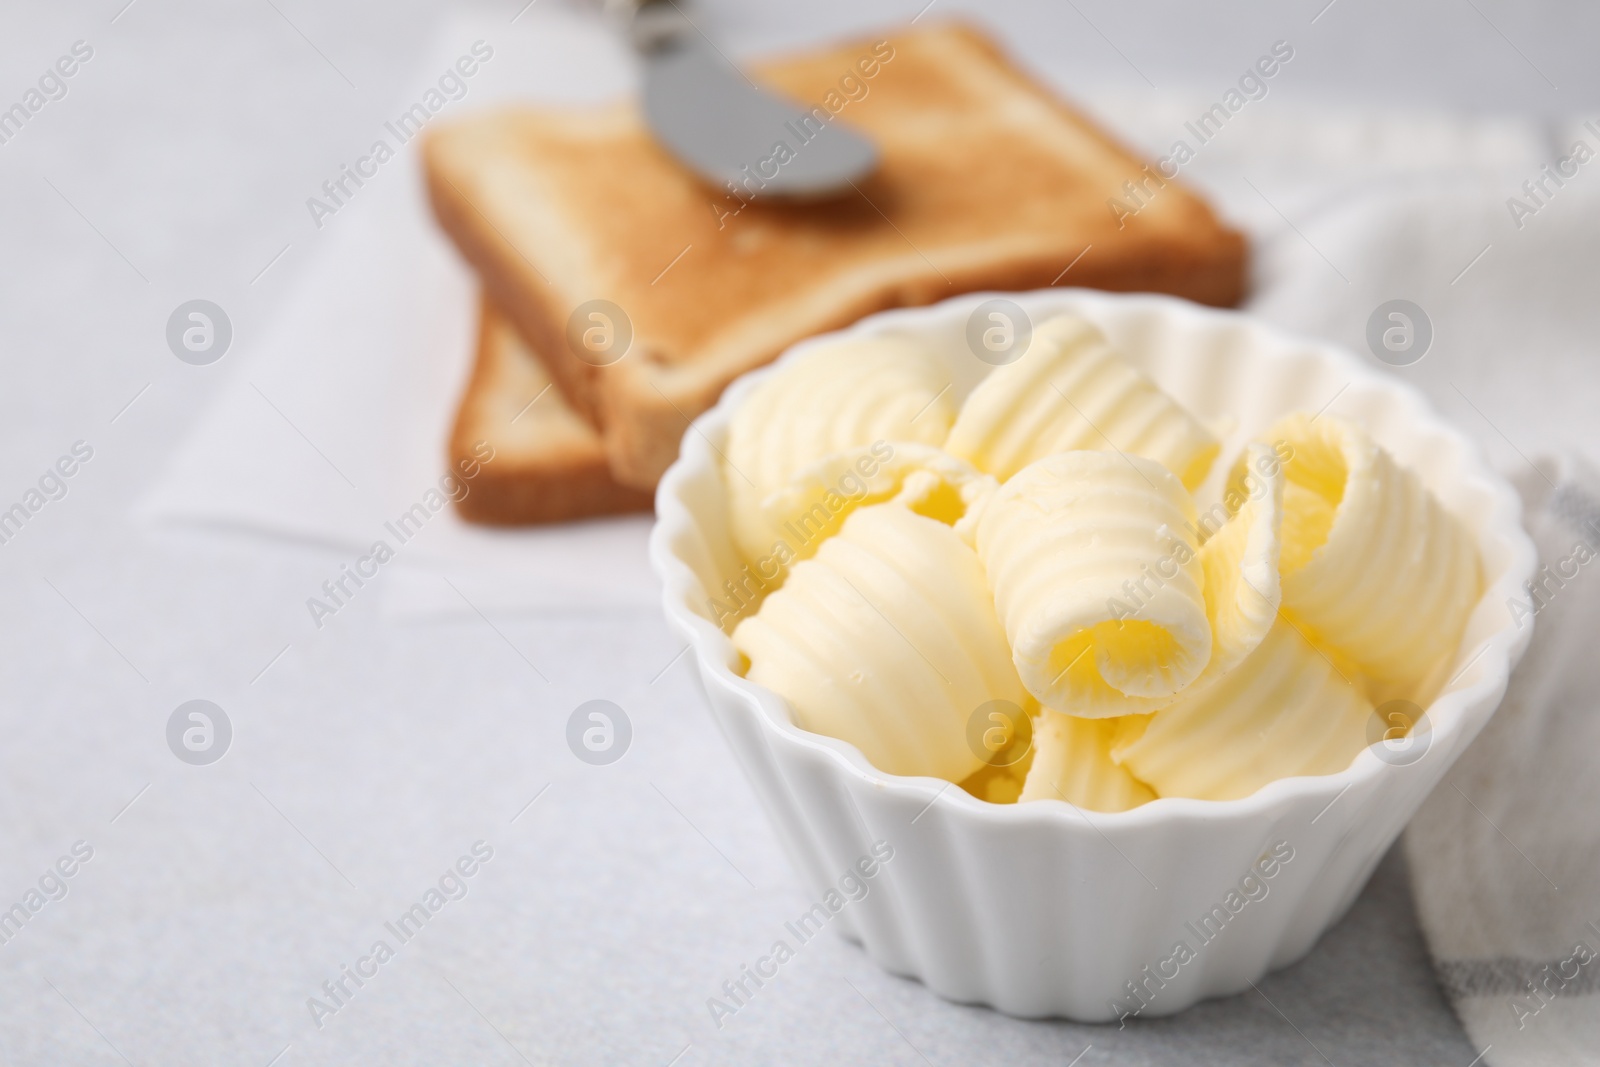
x: 726, y: 129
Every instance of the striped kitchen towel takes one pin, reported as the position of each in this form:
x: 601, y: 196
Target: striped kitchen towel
x: 1505, y: 855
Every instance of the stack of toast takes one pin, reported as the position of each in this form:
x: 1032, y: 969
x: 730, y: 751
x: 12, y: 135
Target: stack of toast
x: 986, y: 181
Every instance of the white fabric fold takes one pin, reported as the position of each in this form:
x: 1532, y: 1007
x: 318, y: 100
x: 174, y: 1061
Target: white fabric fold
x: 1505, y: 855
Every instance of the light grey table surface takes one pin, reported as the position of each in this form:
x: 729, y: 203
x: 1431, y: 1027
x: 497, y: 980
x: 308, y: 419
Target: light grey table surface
x: 219, y: 899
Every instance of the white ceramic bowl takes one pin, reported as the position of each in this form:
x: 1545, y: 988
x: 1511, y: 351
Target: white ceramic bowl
x: 1042, y: 909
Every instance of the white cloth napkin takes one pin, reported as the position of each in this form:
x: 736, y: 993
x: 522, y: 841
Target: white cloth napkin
x: 334, y: 422
x: 1505, y: 855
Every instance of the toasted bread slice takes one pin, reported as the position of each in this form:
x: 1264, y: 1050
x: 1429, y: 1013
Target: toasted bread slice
x: 987, y: 181
x: 548, y: 463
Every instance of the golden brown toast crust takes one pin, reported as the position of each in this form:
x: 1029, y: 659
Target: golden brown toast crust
x: 987, y: 182
x: 549, y: 465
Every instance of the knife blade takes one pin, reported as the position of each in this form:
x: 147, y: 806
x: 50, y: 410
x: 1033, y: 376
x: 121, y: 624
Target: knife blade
x: 725, y: 128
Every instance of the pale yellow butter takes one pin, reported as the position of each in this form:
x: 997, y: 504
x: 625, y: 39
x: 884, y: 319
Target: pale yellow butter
x: 812, y: 506
x: 1070, y: 390
x: 1289, y: 709
x: 1072, y: 762
x: 842, y: 396
x: 1374, y: 566
x: 886, y: 638
x: 1040, y: 547
x: 1241, y: 561
x: 1097, y: 578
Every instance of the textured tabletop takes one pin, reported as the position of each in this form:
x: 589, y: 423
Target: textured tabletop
x: 384, y: 760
